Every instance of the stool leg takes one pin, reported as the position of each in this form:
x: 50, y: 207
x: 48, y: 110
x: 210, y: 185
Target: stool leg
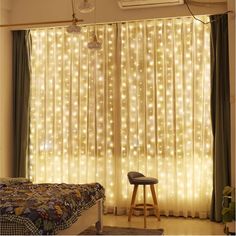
x: 144, y: 206
x: 132, y: 205
x: 154, y: 197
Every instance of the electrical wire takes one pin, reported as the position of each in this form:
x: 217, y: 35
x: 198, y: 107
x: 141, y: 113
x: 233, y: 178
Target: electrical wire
x: 73, y: 8
x: 193, y: 15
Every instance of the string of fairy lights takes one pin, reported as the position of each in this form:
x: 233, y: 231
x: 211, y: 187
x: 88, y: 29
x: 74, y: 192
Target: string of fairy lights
x: 162, y: 113
x: 71, y: 137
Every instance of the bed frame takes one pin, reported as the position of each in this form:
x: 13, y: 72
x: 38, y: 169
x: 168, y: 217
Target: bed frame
x: 89, y: 217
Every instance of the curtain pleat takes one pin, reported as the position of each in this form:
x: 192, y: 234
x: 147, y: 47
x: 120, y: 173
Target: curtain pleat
x: 220, y: 111
x: 21, y: 88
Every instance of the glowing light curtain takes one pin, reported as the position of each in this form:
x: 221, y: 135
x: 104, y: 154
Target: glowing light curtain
x: 165, y: 111
x: 141, y: 103
x: 71, y: 129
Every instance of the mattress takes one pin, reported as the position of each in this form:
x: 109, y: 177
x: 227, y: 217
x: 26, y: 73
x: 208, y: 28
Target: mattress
x: 44, y: 208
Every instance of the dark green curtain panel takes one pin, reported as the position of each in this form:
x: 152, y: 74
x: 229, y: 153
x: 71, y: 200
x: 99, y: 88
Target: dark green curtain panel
x: 220, y: 111
x: 21, y: 88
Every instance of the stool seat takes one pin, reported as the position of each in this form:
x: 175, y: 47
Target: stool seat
x: 145, y: 180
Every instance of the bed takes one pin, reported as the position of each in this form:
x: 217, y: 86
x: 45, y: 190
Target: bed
x: 39, y: 209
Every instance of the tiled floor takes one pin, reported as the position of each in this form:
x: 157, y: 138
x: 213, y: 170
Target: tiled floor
x: 171, y: 225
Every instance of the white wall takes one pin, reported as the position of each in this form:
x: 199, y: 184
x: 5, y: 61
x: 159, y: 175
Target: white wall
x: 106, y: 11
x: 231, y: 21
x: 5, y: 92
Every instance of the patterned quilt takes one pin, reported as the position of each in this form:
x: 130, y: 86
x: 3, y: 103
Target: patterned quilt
x: 47, y: 208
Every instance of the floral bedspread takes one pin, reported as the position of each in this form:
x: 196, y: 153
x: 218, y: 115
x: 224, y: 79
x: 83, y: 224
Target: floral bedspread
x: 49, y: 207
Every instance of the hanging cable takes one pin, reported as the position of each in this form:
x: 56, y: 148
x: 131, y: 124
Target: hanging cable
x: 94, y: 43
x: 73, y: 11
x: 193, y: 15
x: 73, y: 28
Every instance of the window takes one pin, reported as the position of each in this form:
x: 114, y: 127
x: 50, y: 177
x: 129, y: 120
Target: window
x: 141, y: 103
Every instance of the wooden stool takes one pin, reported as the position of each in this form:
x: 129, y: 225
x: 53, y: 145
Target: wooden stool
x: 137, y: 179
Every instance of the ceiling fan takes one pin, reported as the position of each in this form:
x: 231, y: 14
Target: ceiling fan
x: 86, y: 6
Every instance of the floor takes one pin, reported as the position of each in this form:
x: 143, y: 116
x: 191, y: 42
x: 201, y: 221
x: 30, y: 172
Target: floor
x: 171, y: 225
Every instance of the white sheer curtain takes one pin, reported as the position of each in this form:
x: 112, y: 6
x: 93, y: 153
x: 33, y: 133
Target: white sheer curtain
x: 71, y: 128
x: 141, y: 103
x: 165, y: 111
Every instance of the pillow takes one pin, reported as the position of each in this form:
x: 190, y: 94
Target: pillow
x: 19, y: 180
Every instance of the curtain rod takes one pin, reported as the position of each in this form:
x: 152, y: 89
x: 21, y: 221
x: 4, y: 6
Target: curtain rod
x: 31, y: 24
x: 39, y: 23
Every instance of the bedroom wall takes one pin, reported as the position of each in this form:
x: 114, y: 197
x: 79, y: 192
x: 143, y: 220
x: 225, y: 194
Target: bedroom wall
x: 6, y: 163
x: 51, y: 10
x: 232, y: 32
